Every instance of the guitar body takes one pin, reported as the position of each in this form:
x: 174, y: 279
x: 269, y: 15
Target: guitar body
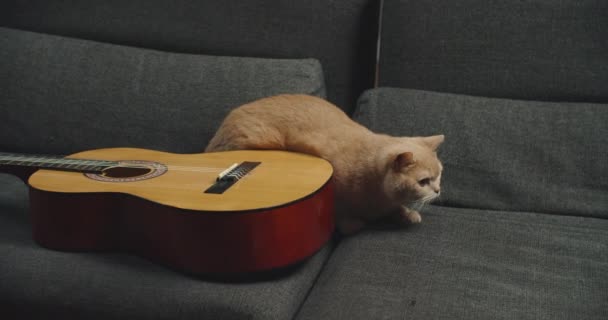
x: 155, y: 204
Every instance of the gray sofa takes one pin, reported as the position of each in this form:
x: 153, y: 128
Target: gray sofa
x: 519, y: 88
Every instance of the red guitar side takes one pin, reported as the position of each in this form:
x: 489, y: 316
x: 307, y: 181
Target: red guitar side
x: 271, y: 210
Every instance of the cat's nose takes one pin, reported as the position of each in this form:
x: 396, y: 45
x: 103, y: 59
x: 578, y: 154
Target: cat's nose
x: 437, y: 190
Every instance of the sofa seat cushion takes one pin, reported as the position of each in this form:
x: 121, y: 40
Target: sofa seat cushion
x: 64, y: 95
x: 468, y: 264
x: 40, y: 283
x: 505, y: 154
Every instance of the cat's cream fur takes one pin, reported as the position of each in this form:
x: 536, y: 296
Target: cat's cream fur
x: 374, y: 174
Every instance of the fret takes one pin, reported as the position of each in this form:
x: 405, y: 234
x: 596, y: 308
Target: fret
x: 34, y: 161
x: 6, y: 158
x: 55, y: 162
x: 80, y: 167
x: 71, y: 165
x: 87, y: 167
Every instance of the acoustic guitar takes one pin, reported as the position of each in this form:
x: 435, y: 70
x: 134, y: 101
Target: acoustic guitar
x: 209, y: 213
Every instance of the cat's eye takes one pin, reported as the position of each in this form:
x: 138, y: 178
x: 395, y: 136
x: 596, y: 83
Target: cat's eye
x: 424, y: 182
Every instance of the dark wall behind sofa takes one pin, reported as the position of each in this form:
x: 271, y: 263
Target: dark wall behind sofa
x: 534, y: 50
x: 341, y: 34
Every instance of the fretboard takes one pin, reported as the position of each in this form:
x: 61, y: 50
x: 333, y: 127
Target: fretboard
x: 54, y: 162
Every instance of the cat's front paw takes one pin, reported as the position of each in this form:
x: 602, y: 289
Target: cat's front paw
x: 409, y: 216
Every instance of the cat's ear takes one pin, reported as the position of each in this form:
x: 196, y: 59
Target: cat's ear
x: 433, y: 142
x: 403, y: 160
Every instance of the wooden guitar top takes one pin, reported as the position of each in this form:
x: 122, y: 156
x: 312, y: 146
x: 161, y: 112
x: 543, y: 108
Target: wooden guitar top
x: 280, y: 178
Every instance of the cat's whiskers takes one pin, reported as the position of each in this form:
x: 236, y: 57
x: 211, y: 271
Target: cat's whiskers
x: 420, y: 203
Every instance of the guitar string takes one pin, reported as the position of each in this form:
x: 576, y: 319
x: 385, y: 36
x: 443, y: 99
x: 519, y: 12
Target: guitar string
x: 70, y: 161
x: 214, y: 170
x: 181, y: 186
x: 87, y: 162
x: 98, y: 163
x: 208, y: 171
x: 202, y: 169
x: 179, y: 168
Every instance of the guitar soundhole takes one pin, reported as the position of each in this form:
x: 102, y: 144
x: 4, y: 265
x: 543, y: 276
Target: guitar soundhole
x: 130, y: 171
x: 125, y: 172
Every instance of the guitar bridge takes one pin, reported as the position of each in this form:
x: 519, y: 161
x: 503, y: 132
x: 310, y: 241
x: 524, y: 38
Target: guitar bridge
x: 230, y: 176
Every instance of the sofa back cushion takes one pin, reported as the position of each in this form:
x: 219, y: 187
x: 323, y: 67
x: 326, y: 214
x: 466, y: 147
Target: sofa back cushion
x: 341, y: 34
x: 534, y: 50
x: 62, y: 95
x: 505, y: 154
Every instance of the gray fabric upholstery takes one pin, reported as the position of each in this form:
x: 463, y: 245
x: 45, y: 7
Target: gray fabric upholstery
x: 62, y: 95
x: 534, y: 50
x: 468, y: 264
x: 505, y: 154
x: 42, y: 284
x: 341, y: 34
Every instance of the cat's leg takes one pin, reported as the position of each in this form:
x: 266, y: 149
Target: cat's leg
x: 407, y: 215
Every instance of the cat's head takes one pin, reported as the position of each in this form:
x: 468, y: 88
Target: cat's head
x: 413, y: 171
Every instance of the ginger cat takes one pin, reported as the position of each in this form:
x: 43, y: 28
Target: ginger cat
x: 375, y: 175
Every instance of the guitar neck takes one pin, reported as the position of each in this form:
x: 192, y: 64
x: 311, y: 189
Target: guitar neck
x: 54, y: 162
